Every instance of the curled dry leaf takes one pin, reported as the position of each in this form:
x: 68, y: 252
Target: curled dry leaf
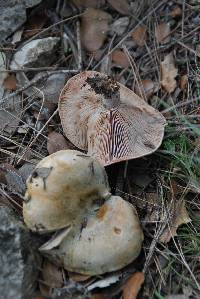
x: 133, y: 286
x: 51, y: 278
x: 94, y: 28
x: 139, y: 35
x: 147, y: 88
x: 168, y: 73
x: 176, y: 12
x: 120, y: 58
x: 162, y: 33
x: 78, y: 277
x: 179, y: 216
x: 183, y: 82
x: 57, y: 142
x: 10, y: 83
x: 122, y: 6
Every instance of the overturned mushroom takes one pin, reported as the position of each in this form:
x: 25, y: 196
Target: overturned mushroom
x: 61, y: 189
x: 107, y: 241
x: 109, y: 120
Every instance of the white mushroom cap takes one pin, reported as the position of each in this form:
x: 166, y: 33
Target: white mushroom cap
x: 108, y: 119
x: 108, y: 241
x: 61, y: 188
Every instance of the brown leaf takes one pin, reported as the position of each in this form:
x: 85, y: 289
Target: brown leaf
x: 51, y: 278
x: 120, y: 58
x: 139, y: 35
x: 57, y: 142
x: 133, y: 286
x: 10, y: 83
x: 34, y: 24
x: 122, y: 6
x: 99, y: 296
x: 176, y: 12
x: 183, y: 82
x: 168, y: 73
x: 87, y: 3
x: 162, y: 33
x: 94, y: 28
x: 147, y: 88
x: 179, y: 216
x: 78, y: 277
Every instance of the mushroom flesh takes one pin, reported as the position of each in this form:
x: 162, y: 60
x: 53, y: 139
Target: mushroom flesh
x: 62, y: 187
x: 110, y: 239
x: 107, y: 119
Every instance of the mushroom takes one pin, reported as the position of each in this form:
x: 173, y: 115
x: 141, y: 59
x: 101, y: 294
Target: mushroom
x: 62, y: 187
x: 107, y: 119
x: 110, y: 239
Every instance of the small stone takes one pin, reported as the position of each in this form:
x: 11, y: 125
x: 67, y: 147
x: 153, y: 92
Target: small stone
x: 51, y: 86
x: 119, y: 26
x: 10, y: 114
x: 19, y: 261
x: 31, y: 3
x: 12, y: 16
x: 37, y: 53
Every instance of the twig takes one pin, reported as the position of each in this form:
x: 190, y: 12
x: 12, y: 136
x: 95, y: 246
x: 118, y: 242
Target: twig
x: 178, y: 105
x: 130, y: 32
x: 3, y: 100
x: 79, y: 45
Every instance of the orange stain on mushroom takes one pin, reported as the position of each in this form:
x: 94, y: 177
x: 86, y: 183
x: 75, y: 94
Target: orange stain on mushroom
x: 102, y: 212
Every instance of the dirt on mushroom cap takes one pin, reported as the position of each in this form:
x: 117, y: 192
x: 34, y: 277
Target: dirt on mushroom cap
x: 107, y: 119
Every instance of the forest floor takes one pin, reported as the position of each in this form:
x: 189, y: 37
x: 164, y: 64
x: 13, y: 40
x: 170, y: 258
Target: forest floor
x: 153, y: 48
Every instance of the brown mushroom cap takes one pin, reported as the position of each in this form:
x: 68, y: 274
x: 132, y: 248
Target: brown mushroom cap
x: 61, y: 188
x: 108, y: 241
x: 109, y: 120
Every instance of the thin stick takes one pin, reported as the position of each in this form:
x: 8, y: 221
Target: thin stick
x: 79, y: 45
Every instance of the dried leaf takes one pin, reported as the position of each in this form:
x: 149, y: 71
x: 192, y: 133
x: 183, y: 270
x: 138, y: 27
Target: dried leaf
x: 57, y: 142
x: 139, y: 35
x: 179, y: 216
x: 51, y: 278
x: 162, y: 33
x: 176, y: 12
x: 94, y: 28
x: 183, y: 82
x: 133, y: 286
x: 122, y: 6
x: 147, y: 88
x: 35, y: 24
x: 168, y: 73
x: 99, y: 296
x: 10, y: 83
x: 87, y: 3
x: 78, y: 277
x: 120, y: 58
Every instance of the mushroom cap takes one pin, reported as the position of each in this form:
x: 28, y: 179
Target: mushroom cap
x: 109, y: 240
x: 61, y: 187
x: 109, y: 120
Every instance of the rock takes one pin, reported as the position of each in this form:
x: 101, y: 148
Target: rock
x: 37, y: 53
x: 10, y: 116
x: 19, y: 264
x: 27, y: 169
x: 31, y: 3
x: 119, y: 26
x: 51, y: 86
x: 12, y: 16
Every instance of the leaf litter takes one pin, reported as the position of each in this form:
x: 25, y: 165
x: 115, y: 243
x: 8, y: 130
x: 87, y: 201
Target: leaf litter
x: 173, y: 66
